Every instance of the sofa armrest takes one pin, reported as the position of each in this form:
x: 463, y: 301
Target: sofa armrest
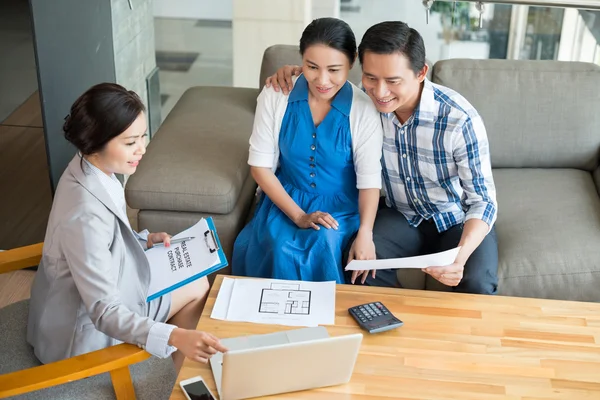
x: 197, y: 161
x: 597, y: 178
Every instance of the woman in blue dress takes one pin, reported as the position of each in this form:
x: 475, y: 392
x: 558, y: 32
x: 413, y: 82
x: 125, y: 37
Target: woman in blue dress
x: 315, y: 155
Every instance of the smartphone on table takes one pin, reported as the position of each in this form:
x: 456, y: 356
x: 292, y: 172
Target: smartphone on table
x: 195, y: 389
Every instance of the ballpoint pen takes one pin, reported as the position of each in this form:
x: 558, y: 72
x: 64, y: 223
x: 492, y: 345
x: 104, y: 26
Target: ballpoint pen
x: 175, y: 241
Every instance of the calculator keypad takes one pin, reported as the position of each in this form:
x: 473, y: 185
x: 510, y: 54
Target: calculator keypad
x: 374, y: 317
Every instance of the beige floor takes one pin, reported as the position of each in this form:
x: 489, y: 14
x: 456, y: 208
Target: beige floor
x: 15, y: 286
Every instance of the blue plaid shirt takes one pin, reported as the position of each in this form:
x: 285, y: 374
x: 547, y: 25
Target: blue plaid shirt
x: 437, y: 164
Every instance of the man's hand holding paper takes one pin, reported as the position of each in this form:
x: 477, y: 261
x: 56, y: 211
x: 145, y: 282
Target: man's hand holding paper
x: 442, y: 263
x: 449, y: 275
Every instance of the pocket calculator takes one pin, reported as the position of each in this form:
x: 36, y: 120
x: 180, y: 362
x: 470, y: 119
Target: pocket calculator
x: 374, y: 317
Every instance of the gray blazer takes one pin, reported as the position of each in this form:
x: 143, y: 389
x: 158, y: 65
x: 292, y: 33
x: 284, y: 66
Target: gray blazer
x: 90, y: 289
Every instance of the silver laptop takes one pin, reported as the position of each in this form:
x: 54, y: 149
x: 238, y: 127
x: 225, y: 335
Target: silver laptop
x: 282, y: 362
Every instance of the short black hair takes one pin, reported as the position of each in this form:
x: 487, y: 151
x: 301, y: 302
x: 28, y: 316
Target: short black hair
x: 394, y: 37
x: 100, y: 114
x: 331, y: 32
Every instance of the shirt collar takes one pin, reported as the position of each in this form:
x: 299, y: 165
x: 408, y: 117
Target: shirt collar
x: 300, y: 90
x: 343, y: 99
x: 425, y: 110
x: 101, y: 175
x: 84, y: 173
x: 341, y: 102
x: 111, y: 184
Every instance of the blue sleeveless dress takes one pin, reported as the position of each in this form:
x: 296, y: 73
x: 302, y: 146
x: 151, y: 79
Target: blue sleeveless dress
x: 316, y: 169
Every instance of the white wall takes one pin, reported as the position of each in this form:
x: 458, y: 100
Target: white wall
x: 194, y: 9
x: 258, y: 24
x: 325, y: 8
x: 223, y: 9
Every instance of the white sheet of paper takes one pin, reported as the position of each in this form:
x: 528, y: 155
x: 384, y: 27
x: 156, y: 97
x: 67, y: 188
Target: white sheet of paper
x: 273, y: 301
x: 429, y: 260
x: 174, y: 264
x: 223, y: 298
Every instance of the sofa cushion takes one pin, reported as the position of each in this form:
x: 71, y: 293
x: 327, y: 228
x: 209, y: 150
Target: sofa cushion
x: 198, y: 159
x: 548, y: 234
x: 537, y: 113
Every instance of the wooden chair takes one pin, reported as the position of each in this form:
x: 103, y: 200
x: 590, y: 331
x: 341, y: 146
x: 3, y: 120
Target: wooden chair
x: 114, y: 360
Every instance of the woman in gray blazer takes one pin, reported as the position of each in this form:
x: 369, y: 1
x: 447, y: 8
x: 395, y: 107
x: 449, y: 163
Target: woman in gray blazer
x: 92, y: 283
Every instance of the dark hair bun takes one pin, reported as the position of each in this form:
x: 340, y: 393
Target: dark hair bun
x: 102, y: 113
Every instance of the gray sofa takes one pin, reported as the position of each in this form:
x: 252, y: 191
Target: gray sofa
x: 543, y: 123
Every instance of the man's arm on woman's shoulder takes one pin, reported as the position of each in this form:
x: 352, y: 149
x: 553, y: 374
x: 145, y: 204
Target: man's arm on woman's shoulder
x: 282, y: 79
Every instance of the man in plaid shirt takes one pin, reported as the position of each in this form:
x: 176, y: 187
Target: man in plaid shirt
x: 438, y: 181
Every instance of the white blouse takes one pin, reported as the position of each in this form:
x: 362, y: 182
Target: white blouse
x: 365, y: 129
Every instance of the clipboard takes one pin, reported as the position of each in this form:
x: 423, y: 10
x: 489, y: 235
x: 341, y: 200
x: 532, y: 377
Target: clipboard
x: 210, y: 239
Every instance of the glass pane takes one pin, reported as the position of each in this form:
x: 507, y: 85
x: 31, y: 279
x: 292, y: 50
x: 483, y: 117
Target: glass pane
x: 498, y: 30
x: 542, y: 38
x: 580, y: 36
x: 506, y: 32
x: 450, y: 33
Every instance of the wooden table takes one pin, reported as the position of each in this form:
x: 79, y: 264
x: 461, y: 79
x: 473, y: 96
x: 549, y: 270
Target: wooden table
x: 452, y: 346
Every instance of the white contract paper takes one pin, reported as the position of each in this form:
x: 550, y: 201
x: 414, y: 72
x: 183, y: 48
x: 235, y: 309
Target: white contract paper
x: 429, y: 260
x: 177, y: 264
x: 273, y: 301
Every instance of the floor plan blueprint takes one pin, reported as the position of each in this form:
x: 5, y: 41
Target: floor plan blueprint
x: 273, y: 301
x: 285, y: 298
